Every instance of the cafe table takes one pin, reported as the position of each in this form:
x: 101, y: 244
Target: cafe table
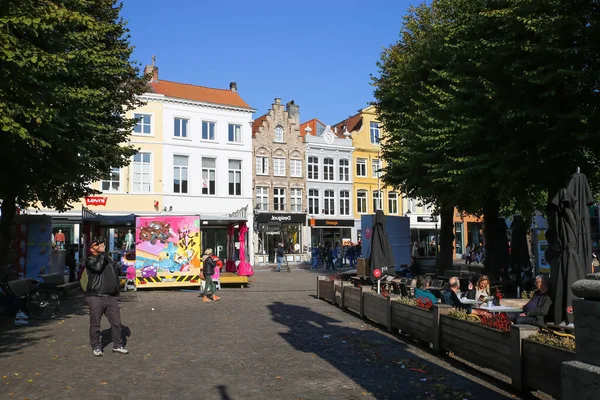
x: 501, y: 309
x: 470, y: 301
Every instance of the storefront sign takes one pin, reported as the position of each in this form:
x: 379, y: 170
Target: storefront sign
x: 273, y: 233
x: 284, y: 218
x: 427, y: 219
x: 95, y: 201
x: 333, y: 222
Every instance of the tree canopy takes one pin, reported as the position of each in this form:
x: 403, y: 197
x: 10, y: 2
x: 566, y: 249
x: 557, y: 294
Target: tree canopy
x: 490, y: 105
x: 66, y: 81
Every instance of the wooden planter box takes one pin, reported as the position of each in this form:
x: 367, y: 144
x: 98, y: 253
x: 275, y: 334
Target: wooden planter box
x: 376, y: 308
x: 413, y: 320
x: 352, y: 299
x: 483, y: 346
x: 541, y: 366
x: 326, y: 290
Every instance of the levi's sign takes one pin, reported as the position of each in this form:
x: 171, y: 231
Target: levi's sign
x: 95, y: 201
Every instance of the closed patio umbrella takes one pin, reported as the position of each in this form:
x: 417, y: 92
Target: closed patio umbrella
x: 520, y: 259
x: 562, y: 253
x: 579, y: 186
x: 381, y: 257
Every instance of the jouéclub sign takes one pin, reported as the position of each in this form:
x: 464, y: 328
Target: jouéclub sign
x: 95, y: 201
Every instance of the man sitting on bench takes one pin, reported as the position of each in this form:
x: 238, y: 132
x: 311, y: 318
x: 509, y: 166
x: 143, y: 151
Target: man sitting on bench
x: 538, y: 307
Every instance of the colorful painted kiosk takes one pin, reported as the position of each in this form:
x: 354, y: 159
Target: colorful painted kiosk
x: 167, y: 250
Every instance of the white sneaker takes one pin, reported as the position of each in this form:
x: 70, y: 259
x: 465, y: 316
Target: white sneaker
x: 121, y: 350
x: 22, y: 315
x: 98, y: 353
x: 19, y: 321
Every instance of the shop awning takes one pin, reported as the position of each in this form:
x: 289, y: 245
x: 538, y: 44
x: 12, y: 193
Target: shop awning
x: 110, y: 220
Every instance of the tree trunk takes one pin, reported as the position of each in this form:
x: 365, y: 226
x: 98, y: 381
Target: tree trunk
x: 491, y: 213
x: 445, y: 260
x: 6, y: 221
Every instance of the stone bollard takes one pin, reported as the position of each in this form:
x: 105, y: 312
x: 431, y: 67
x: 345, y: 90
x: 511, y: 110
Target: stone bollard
x: 581, y: 378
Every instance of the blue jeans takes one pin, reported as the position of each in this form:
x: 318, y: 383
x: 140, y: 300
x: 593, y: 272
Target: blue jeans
x: 279, y: 261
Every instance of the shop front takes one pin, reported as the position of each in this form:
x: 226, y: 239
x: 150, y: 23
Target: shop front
x: 468, y: 230
x: 331, y: 231
x: 273, y: 229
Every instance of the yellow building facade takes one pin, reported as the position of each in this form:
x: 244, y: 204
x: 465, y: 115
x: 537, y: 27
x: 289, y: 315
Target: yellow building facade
x: 369, y: 191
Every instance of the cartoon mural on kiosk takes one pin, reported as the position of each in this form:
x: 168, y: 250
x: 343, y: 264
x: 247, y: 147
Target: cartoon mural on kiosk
x: 167, y: 251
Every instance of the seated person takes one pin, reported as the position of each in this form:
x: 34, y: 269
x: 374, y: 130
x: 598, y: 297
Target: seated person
x: 538, y: 307
x: 421, y: 292
x: 481, y: 291
x: 450, y: 295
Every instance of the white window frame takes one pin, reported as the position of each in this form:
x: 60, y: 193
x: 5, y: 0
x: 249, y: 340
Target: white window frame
x: 375, y: 132
x: 208, y: 170
x: 237, y: 133
x: 278, y: 134
x: 295, y: 200
x: 392, y: 202
x: 279, y: 199
x: 262, y: 198
x: 328, y: 202
x: 151, y: 124
x: 237, y: 177
x: 296, y: 168
x: 312, y: 168
x: 112, y: 181
x: 151, y: 174
x: 214, y: 131
x: 361, y: 162
x: 278, y: 166
x: 328, y: 169
x: 178, y: 171
x: 362, y: 202
x: 377, y: 197
x: 344, y: 202
x: 313, y: 202
x: 181, y: 125
x: 375, y: 167
x: 262, y: 165
x: 344, y: 170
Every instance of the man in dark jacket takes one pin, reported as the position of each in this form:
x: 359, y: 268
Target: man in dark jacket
x: 101, y: 294
x: 450, y: 295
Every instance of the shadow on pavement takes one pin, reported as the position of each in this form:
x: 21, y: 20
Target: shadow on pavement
x: 383, y: 366
x: 223, y: 392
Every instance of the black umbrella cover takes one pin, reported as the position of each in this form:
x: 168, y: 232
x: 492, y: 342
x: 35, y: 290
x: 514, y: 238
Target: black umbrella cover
x: 520, y: 259
x: 562, y: 254
x: 579, y: 186
x: 381, y: 250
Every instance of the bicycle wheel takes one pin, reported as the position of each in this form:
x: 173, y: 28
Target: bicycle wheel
x: 43, y: 304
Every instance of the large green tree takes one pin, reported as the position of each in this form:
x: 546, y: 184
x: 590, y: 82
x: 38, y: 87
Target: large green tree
x: 490, y: 104
x: 66, y: 79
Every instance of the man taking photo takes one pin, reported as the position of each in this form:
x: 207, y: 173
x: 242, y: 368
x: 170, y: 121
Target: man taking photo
x: 102, y: 291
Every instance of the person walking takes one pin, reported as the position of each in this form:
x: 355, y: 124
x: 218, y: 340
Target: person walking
x: 208, y: 270
x: 71, y: 263
x: 102, y: 291
x: 279, y: 254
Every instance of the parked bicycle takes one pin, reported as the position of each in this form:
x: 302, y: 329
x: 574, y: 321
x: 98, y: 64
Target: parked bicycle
x: 39, y: 300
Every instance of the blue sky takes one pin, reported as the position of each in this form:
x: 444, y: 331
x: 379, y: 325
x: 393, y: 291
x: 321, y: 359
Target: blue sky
x: 318, y: 53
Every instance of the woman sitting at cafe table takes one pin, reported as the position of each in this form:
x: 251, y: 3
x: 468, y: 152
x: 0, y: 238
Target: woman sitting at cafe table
x: 481, y: 291
x: 538, y: 307
x: 421, y: 292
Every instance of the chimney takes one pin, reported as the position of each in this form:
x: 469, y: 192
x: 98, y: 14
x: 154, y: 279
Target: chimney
x: 233, y: 87
x: 293, y: 111
x: 335, y: 130
x: 152, y: 70
x: 277, y: 101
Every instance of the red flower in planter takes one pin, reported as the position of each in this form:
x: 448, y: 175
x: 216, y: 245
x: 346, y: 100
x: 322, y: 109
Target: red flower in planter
x: 570, y: 310
x: 498, y: 321
x: 425, y: 304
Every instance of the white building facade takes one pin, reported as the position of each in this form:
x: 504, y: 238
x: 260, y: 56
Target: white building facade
x: 329, y: 180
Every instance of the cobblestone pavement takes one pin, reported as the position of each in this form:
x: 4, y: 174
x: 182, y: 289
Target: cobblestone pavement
x: 273, y: 340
